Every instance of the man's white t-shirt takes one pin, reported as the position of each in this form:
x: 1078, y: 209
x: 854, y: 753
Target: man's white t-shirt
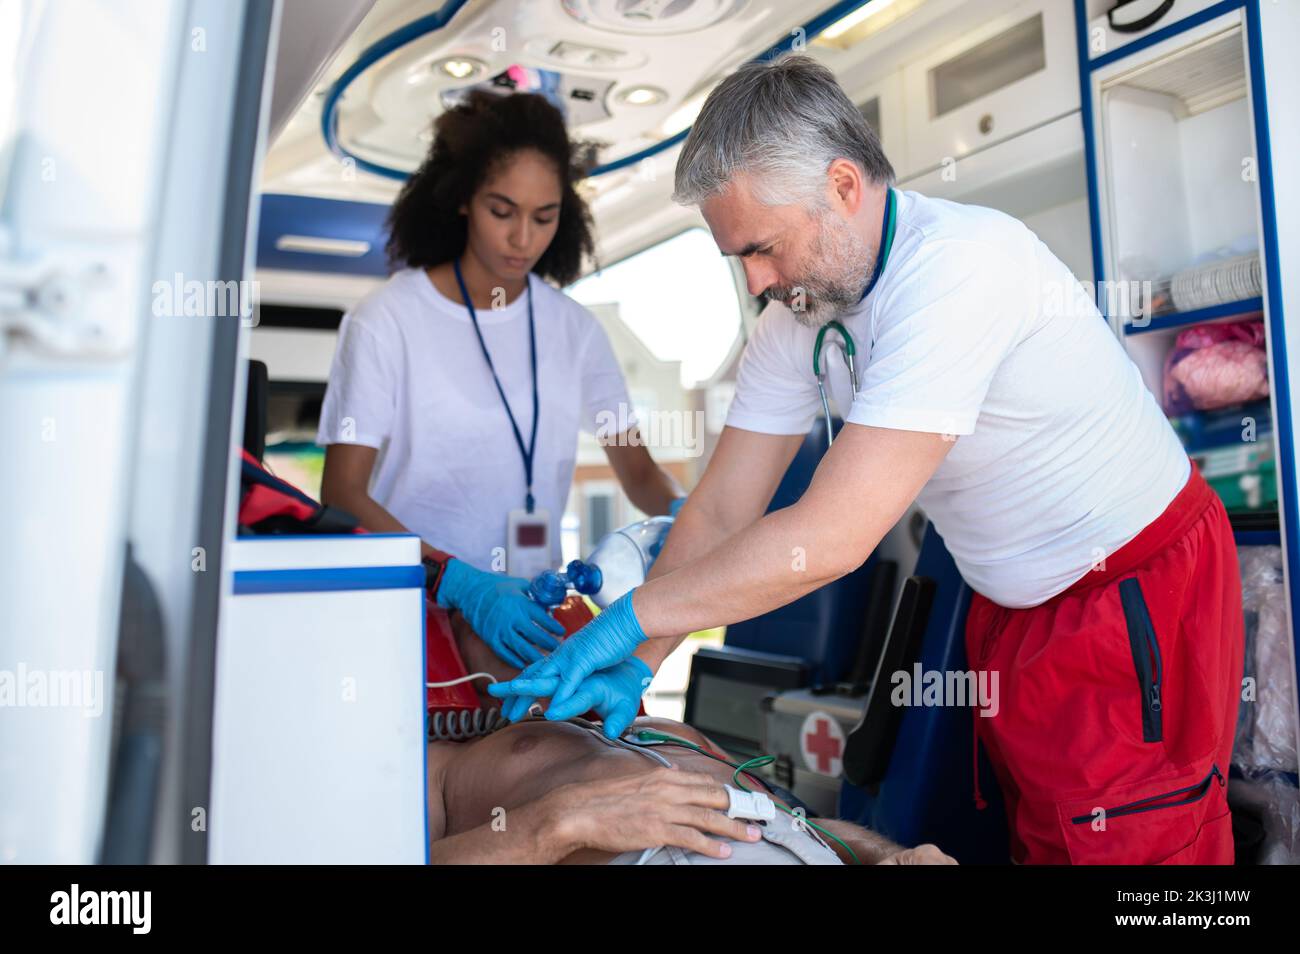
x: 975, y: 329
x: 409, y: 378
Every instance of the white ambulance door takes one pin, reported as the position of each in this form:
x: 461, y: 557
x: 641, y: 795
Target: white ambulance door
x: 130, y: 133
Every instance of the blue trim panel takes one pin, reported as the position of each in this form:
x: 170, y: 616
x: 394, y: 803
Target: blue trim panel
x: 1285, y: 446
x: 1257, y: 538
x: 631, y: 160
x: 812, y: 28
x: 322, y: 218
x: 369, y: 56
x: 1159, y: 36
x: 1181, y: 319
x: 441, y: 17
x: 328, y: 579
x: 1089, y: 148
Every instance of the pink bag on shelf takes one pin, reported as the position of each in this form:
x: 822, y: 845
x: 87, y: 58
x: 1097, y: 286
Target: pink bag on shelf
x: 1213, y: 366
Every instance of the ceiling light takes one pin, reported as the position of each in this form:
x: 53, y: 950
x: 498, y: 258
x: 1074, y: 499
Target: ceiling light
x: 318, y: 245
x: 641, y: 96
x: 459, y: 67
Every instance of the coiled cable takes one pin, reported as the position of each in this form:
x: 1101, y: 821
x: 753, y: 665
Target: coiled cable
x: 457, y: 725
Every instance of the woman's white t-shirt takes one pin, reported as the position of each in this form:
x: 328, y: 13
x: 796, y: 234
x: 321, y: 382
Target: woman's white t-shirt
x: 409, y: 378
x: 977, y: 331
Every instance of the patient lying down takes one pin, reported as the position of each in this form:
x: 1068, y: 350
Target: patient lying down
x: 539, y: 792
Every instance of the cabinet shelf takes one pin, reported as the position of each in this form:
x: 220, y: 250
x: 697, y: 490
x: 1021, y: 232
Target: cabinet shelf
x: 1246, y: 308
x: 1202, y: 76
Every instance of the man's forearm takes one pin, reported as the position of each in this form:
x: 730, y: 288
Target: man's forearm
x: 861, y: 487
x: 771, y: 563
x: 695, y: 533
x: 869, y: 847
x: 528, y: 835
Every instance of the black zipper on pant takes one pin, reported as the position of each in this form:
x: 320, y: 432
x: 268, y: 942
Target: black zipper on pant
x: 1146, y: 656
x: 1194, y: 793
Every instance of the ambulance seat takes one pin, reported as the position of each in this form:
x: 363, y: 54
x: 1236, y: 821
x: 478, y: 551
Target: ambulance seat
x: 823, y: 627
x: 916, y: 764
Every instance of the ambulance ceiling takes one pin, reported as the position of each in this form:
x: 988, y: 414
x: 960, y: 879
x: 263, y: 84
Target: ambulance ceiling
x: 359, y: 83
x: 628, y: 74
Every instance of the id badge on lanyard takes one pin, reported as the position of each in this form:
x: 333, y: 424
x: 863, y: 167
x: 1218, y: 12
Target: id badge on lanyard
x: 528, y: 543
x: 528, y: 530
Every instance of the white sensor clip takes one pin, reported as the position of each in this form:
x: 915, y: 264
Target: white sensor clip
x: 749, y: 805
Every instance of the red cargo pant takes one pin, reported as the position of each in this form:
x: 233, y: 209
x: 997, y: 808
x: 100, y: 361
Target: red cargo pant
x: 1116, y: 700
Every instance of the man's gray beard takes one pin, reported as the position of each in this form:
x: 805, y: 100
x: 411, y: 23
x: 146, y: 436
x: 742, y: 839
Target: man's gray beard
x: 844, y: 264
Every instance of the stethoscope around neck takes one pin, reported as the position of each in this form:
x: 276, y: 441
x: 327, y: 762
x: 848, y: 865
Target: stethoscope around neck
x: 850, y: 350
x: 847, y: 345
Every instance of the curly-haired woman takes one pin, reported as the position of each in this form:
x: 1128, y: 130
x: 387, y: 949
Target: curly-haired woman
x: 459, y: 386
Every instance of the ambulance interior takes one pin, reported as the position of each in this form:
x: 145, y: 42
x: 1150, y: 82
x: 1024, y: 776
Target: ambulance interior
x: 1101, y: 137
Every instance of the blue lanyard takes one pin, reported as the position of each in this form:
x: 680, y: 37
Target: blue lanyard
x: 886, y: 242
x: 525, y: 453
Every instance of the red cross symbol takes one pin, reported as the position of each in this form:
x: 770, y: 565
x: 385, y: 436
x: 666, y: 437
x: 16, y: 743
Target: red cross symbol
x: 823, y: 745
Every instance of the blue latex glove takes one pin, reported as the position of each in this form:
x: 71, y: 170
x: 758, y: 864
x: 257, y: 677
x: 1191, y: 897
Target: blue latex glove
x: 500, y: 610
x: 615, y: 693
x: 606, y: 641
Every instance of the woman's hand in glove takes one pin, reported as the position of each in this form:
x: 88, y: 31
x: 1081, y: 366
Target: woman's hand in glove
x: 500, y: 610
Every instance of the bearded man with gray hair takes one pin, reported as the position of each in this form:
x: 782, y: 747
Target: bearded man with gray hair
x: 990, y: 391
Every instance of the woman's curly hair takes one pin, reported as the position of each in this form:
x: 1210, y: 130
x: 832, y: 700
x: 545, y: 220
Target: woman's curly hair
x: 425, y: 225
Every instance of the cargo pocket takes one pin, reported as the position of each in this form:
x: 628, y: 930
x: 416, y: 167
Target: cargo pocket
x: 1146, y: 657
x: 1146, y: 824
x: 1212, y: 846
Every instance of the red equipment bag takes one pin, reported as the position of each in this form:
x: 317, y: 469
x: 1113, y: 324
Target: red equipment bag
x: 268, y: 504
